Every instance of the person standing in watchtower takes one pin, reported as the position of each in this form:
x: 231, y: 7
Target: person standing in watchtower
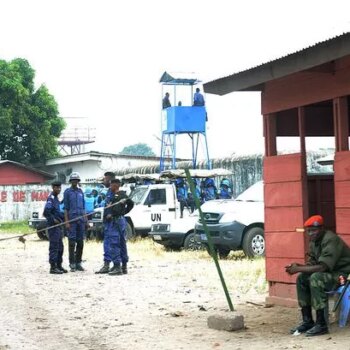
x: 198, y: 99
x: 74, y: 209
x: 166, y: 101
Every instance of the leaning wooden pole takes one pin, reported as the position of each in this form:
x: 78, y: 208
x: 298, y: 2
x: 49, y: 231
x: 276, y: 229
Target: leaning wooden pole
x: 210, y: 242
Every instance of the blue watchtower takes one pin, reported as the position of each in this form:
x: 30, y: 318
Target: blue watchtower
x: 181, y: 119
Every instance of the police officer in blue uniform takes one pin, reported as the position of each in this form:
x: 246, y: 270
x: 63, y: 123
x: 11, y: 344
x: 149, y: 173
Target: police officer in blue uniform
x: 225, y: 189
x: 209, y: 191
x: 114, y: 244
x: 74, y: 208
x: 105, y: 194
x: 182, y: 195
x: 54, y: 216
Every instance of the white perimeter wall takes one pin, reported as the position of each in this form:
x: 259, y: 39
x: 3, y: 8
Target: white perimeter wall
x: 17, y: 202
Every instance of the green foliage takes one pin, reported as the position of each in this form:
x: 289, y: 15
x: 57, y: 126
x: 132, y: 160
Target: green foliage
x: 29, y: 118
x: 139, y: 149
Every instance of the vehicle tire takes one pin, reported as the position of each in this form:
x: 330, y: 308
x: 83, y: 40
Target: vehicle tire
x: 254, y: 242
x: 172, y: 248
x: 89, y: 234
x: 129, y: 233
x: 99, y: 233
x: 221, y: 252
x: 191, y: 244
x: 42, y: 234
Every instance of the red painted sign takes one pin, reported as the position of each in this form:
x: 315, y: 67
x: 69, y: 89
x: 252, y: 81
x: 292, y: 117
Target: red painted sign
x: 39, y: 196
x: 3, y: 196
x: 20, y: 196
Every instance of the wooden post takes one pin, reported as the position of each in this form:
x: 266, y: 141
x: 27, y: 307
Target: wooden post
x: 304, y: 184
x: 270, y: 133
x: 341, y: 123
x: 301, y: 125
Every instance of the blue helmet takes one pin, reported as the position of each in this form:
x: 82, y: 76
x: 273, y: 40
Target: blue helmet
x: 88, y: 190
x: 225, y: 182
x: 209, y: 182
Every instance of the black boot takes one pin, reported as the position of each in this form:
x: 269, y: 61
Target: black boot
x: 320, y: 326
x: 115, y: 270
x: 78, y: 255
x: 307, y: 322
x: 61, y: 268
x: 124, y: 269
x: 71, y: 253
x: 79, y: 251
x: 54, y: 269
x: 104, y: 268
x: 79, y: 267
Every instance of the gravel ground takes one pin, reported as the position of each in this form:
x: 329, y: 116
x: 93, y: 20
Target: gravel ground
x: 163, y: 303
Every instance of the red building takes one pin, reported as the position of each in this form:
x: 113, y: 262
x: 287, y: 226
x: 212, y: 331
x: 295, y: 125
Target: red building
x: 303, y: 94
x: 13, y: 173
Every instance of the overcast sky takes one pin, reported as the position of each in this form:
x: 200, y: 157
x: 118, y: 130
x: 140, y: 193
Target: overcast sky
x: 102, y: 60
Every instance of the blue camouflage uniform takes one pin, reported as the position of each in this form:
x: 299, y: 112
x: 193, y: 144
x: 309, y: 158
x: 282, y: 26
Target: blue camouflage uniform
x: 114, y: 244
x: 51, y: 213
x: 74, y: 204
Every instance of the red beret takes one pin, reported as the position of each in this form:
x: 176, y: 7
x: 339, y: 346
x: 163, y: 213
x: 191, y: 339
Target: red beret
x: 315, y: 220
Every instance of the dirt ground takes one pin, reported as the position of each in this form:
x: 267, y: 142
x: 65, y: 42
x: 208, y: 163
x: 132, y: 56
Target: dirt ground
x: 163, y: 303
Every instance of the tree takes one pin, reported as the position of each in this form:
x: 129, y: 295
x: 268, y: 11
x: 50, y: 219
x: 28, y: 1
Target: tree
x: 30, y: 122
x: 139, y: 149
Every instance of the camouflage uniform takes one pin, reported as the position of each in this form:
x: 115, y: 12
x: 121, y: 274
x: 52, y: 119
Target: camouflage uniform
x: 332, y: 252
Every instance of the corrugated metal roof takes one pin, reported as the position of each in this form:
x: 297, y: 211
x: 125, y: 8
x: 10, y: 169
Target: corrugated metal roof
x: 44, y: 173
x: 94, y: 155
x: 174, y: 78
x: 253, y: 79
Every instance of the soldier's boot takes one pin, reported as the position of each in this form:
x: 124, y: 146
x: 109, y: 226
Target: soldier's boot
x: 115, y: 270
x: 71, y: 253
x: 320, y: 326
x: 307, y: 322
x: 79, y: 267
x: 104, y: 268
x: 124, y: 269
x: 79, y: 254
x: 61, y: 268
x: 54, y: 269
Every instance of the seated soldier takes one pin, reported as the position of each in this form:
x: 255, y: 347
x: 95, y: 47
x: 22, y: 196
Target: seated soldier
x: 329, y: 257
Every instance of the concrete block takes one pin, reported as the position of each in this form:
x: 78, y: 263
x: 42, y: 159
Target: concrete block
x: 226, y: 321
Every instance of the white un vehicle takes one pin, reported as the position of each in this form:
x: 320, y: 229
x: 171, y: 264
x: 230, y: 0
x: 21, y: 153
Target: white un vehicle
x: 157, y: 205
x: 153, y: 203
x: 236, y: 224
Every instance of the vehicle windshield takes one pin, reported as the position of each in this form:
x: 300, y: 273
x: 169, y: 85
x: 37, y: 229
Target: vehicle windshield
x: 137, y: 194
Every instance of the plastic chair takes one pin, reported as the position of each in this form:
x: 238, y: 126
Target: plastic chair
x: 344, y: 305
